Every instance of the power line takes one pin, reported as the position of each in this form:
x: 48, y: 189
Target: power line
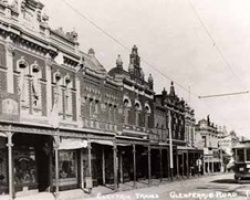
x: 114, y: 39
x: 220, y: 95
x: 213, y: 41
x: 124, y: 46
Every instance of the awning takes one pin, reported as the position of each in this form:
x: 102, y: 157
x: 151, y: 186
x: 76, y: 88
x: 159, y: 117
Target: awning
x: 72, y: 143
x: 3, y: 135
x: 124, y: 145
x: 185, y: 148
x: 103, y: 142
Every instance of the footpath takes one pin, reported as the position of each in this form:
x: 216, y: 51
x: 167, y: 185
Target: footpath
x: 126, y: 191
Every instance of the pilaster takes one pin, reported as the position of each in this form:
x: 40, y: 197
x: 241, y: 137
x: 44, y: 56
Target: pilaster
x: 9, y: 65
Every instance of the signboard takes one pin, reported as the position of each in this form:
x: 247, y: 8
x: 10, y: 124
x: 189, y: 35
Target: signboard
x: 89, y: 182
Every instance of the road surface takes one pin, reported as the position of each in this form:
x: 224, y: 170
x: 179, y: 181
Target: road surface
x: 220, y: 186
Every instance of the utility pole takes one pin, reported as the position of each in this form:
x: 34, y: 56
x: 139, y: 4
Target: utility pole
x: 170, y: 144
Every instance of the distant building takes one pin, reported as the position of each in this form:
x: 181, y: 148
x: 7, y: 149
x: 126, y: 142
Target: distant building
x: 208, y: 138
x: 226, y: 143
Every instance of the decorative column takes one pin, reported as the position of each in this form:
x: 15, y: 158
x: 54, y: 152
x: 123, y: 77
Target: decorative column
x: 204, y: 165
x: 170, y: 145
x: 212, y: 165
x: 134, y: 162
x: 48, y: 64
x: 115, y: 166
x: 89, y: 182
x: 121, y: 167
x: 9, y: 65
x: 149, y: 165
x: 78, y: 102
x: 160, y: 150
x: 168, y: 165
x: 10, y: 163
x: 187, y: 162
x: 81, y: 169
x: 103, y: 166
x: 56, y: 149
x: 183, y: 165
x: 177, y: 165
x: 208, y: 164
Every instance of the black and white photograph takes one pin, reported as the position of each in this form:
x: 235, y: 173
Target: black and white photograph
x: 124, y: 99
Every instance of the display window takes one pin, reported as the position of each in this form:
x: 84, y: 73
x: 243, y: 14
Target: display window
x: 25, y: 172
x: 67, y: 164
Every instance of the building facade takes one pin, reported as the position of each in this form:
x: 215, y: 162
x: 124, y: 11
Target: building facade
x: 173, y: 116
x: 68, y: 123
x: 208, y: 139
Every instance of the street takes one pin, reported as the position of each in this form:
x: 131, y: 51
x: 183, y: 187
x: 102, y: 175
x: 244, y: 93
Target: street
x: 220, y: 186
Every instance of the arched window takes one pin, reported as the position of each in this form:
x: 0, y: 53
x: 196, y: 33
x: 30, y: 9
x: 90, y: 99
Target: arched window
x: 147, y: 115
x: 126, y: 107
x: 58, y: 80
x: 36, y: 86
x: 157, y: 130
x: 162, y: 132
x: 23, y: 84
x: 137, y: 112
x: 68, y: 106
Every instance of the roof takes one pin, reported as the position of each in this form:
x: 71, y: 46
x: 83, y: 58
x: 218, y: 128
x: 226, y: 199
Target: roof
x: 92, y: 62
x: 242, y: 145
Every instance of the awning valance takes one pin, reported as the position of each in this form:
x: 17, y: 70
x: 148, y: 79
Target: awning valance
x: 103, y: 142
x: 72, y: 143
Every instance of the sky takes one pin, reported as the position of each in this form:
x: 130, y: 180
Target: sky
x: 202, y: 45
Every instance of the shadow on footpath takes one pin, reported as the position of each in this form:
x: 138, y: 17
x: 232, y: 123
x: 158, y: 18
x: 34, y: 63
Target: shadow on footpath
x: 226, y: 181
x: 232, y: 181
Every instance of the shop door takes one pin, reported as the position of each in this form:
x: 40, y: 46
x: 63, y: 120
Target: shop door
x: 43, y: 168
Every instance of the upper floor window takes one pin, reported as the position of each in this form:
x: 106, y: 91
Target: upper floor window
x: 147, y: 115
x: 58, y: 94
x: 137, y: 113
x: 23, y: 83
x: 36, y: 86
x: 126, y: 106
x: 110, y: 113
x: 68, y: 96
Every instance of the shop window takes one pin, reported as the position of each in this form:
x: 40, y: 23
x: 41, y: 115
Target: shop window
x: 248, y: 154
x: 67, y: 164
x: 240, y: 155
x: 24, y: 167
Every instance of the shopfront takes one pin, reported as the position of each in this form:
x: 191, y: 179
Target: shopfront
x: 32, y: 162
x: 70, y: 154
x: 3, y: 165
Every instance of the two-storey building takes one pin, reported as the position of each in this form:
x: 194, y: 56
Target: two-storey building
x: 138, y: 119
x: 208, y: 139
x: 173, y: 116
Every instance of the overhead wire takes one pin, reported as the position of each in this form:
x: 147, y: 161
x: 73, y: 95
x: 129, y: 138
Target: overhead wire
x: 213, y: 41
x: 114, y: 39
x: 220, y: 54
x: 125, y: 47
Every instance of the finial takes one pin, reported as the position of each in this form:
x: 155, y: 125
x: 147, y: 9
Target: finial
x: 134, y: 49
x: 119, y: 61
x: 91, y: 52
x: 150, y: 79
